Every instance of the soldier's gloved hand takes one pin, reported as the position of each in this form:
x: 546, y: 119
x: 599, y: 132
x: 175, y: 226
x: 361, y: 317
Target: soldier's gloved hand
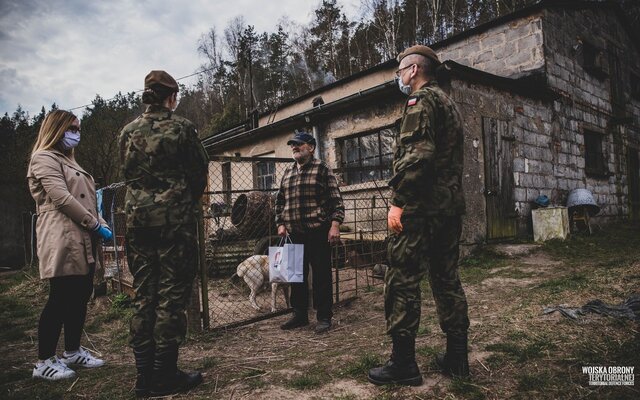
x: 393, y: 219
x: 104, y: 232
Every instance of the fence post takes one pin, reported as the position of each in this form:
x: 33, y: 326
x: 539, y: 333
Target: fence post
x: 204, y: 275
x: 193, y: 309
x: 116, y: 255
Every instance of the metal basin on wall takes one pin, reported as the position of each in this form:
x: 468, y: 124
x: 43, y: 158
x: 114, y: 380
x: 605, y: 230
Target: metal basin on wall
x: 583, y: 197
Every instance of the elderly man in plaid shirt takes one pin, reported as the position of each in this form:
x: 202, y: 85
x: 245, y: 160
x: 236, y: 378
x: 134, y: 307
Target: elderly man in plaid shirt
x: 309, y: 209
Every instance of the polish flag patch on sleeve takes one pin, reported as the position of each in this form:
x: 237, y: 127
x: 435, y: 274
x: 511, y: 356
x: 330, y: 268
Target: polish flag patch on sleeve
x: 412, y: 101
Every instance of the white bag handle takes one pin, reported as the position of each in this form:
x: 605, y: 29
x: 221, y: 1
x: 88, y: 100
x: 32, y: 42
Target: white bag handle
x: 284, y: 240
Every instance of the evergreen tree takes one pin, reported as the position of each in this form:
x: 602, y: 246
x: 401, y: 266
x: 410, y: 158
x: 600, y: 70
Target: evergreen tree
x: 102, y: 122
x: 327, y: 28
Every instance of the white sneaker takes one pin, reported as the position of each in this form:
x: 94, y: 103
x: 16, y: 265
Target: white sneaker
x: 52, y: 369
x: 82, y: 358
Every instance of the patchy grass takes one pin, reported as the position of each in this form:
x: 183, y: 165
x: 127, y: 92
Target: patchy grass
x: 515, y: 273
x: 522, y: 352
x: 479, y: 265
x: 361, y: 366
x: 569, y: 282
x: 516, y: 351
x: 466, y: 389
x: 423, y: 330
x: 208, y: 363
x: 607, y: 248
x: 345, y: 397
x: 120, y: 309
x: 17, y: 314
x: 253, y: 372
x: 16, y: 317
x: 305, y: 382
x: 374, y: 289
x: 534, y: 382
x: 427, y: 351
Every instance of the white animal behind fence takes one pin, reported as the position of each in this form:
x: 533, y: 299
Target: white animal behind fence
x: 255, y: 272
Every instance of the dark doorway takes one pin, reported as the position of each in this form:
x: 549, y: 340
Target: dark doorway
x: 499, y: 184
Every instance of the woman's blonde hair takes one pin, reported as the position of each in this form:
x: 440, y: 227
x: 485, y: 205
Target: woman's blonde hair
x: 52, y: 129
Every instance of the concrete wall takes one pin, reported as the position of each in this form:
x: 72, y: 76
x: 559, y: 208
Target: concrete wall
x: 329, y: 95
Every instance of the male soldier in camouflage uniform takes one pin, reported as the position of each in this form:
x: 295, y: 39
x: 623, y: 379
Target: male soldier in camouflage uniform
x: 165, y: 166
x: 425, y: 220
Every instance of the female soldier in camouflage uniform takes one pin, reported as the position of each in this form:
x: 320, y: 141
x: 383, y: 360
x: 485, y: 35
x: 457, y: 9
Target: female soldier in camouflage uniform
x: 165, y: 166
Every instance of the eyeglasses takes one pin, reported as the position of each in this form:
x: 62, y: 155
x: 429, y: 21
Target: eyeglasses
x: 74, y: 128
x: 403, y: 68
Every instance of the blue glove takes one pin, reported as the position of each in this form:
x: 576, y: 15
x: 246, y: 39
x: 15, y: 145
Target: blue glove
x: 104, y: 232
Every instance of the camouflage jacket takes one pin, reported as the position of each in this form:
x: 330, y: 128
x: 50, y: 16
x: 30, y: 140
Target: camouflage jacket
x: 165, y: 166
x: 428, y: 155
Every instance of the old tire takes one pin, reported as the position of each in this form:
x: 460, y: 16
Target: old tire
x: 262, y: 245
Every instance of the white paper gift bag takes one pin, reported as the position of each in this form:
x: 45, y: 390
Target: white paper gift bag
x: 286, y: 262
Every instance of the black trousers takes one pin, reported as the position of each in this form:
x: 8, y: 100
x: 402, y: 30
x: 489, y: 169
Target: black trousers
x: 66, y: 306
x: 317, y: 252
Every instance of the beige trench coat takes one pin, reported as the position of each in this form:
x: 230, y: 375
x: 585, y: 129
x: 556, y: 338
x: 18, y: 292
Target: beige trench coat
x: 66, y: 205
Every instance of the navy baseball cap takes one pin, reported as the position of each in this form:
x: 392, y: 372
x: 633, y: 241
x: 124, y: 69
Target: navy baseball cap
x: 302, y: 137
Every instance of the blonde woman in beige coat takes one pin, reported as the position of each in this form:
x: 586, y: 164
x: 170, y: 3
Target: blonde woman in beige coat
x: 68, y: 230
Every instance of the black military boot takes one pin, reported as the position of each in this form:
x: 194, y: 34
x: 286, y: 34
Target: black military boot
x: 144, y: 366
x: 455, y: 362
x: 298, y: 320
x: 167, y: 378
x: 401, y: 369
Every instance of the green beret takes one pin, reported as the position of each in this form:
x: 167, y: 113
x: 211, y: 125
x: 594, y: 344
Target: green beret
x: 422, y: 50
x: 160, y: 78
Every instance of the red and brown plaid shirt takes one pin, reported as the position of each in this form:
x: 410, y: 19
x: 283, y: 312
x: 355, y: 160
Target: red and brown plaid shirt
x: 308, y: 198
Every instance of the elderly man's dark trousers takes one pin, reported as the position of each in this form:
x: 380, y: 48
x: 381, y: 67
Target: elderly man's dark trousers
x: 317, y: 252
x: 427, y: 246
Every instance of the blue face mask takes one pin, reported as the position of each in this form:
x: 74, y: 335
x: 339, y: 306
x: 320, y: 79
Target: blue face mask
x: 70, y: 140
x: 406, y: 89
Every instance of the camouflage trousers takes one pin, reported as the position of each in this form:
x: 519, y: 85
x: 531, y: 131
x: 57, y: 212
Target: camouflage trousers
x: 163, y: 261
x: 427, y: 246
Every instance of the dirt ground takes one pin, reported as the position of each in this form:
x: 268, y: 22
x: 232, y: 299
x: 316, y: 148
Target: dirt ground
x: 516, y: 350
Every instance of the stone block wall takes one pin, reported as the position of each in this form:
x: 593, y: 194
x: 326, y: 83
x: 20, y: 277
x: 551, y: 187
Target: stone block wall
x: 586, y: 102
x: 510, y: 50
x: 530, y: 122
x: 548, y: 153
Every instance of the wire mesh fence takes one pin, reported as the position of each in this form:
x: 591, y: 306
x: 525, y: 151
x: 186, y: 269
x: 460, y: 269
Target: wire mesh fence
x: 114, y: 257
x: 239, y: 226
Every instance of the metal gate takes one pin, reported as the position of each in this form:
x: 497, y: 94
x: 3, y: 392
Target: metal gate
x: 239, y: 224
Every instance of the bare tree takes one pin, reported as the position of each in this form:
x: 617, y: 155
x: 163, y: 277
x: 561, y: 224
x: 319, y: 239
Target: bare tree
x: 435, y: 11
x: 386, y: 18
x: 210, y: 84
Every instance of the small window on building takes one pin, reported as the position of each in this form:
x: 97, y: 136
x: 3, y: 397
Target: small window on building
x: 368, y: 156
x: 594, y: 155
x: 594, y: 60
x: 635, y: 85
x: 264, y: 174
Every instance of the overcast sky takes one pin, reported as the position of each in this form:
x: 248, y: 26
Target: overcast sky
x: 67, y: 51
